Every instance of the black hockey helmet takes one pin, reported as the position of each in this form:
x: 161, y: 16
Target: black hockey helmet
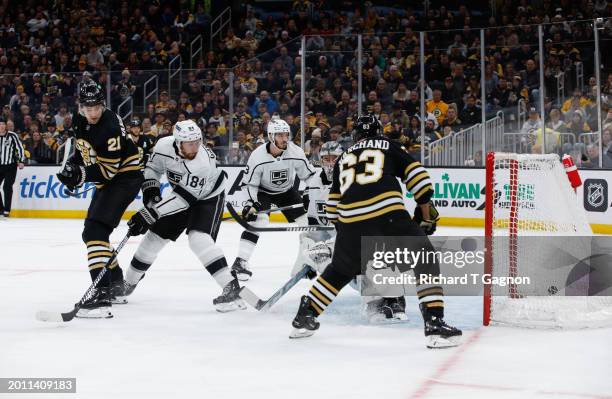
x: 136, y: 122
x: 366, y: 126
x: 90, y: 94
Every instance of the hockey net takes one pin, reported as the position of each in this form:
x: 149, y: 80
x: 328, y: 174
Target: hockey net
x: 533, y: 226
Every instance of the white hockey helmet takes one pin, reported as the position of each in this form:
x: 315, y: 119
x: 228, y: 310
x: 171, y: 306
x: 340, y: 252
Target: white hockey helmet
x: 330, y: 149
x: 277, y: 125
x: 186, y: 130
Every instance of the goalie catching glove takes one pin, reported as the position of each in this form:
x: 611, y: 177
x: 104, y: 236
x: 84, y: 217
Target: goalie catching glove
x: 427, y: 224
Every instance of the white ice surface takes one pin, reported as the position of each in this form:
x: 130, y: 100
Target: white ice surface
x: 169, y: 341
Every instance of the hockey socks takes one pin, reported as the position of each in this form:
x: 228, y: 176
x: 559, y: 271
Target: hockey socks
x: 432, y: 299
x: 325, y: 289
x: 248, y: 240
x: 98, y: 255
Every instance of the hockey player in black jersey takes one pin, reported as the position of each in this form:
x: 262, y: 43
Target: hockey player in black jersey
x: 366, y: 200
x: 144, y: 142
x: 106, y: 156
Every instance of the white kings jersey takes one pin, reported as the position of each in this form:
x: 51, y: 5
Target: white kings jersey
x: 275, y: 175
x: 317, y: 192
x: 191, y: 180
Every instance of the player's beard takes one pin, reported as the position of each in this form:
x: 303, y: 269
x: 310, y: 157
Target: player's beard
x: 190, y: 156
x: 282, y: 146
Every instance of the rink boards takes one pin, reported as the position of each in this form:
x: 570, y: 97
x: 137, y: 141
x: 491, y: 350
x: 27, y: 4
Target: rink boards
x: 459, y: 196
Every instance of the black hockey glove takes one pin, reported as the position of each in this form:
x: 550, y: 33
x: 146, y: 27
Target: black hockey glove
x: 72, y: 176
x: 428, y: 225
x: 250, y: 209
x: 151, y: 193
x: 141, y: 221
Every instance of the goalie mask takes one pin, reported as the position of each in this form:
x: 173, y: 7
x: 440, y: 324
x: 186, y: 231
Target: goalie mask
x: 330, y: 152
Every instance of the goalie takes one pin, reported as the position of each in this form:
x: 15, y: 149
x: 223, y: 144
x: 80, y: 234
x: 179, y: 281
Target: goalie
x: 316, y: 247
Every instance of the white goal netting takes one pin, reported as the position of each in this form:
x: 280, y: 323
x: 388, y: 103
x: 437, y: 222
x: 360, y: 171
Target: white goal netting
x: 538, y: 230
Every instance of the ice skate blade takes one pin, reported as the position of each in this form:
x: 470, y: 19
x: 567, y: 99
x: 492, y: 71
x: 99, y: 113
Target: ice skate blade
x: 98, y: 313
x: 238, y: 304
x: 439, y: 342
x: 300, y: 333
x: 119, y: 300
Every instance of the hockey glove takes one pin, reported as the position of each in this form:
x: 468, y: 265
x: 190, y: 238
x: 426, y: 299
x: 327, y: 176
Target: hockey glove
x: 141, y: 221
x: 250, y: 209
x: 72, y: 176
x: 151, y: 193
x: 428, y: 225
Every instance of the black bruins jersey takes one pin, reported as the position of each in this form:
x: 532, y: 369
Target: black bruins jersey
x: 105, y: 150
x: 145, y: 144
x: 365, y: 181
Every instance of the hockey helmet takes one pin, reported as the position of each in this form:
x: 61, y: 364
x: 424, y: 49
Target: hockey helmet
x: 366, y: 126
x: 90, y: 94
x: 186, y: 130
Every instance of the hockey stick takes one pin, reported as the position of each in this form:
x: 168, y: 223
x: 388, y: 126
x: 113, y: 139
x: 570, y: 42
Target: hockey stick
x: 76, y: 194
x: 253, y: 300
x: 59, y: 317
x: 67, y: 149
x: 282, y: 208
x: 249, y: 227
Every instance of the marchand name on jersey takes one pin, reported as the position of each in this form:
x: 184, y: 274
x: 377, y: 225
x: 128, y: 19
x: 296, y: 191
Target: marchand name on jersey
x: 376, y: 144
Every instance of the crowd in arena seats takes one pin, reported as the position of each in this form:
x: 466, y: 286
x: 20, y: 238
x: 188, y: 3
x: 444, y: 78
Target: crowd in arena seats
x: 48, y: 48
x: 67, y: 44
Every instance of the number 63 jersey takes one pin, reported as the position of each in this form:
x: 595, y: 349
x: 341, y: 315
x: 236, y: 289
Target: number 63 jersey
x: 191, y: 179
x: 366, y: 181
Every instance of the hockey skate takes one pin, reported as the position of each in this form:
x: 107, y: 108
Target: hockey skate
x: 97, y: 306
x: 386, y: 310
x: 229, y: 300
x: 240, y: 270
x: 438, y: 334
x: 305, y: 322
x: 118, y: 292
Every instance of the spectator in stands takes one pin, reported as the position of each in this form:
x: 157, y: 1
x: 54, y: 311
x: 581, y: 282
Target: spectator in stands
x: 452, y: 120
x: 531, y: 79
x: 163, y: 104
x: 156, y: 129
x: 437, y: 107
x: 312, y: 147
x: 265, y: 99
x: 39, y: 151
x: 533, y: 122
x: 555, y: 122
x: 471, y: 113
x: 591, y: 161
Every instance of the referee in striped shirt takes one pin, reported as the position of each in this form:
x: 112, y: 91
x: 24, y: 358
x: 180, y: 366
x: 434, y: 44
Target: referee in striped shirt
x: 11, y: 158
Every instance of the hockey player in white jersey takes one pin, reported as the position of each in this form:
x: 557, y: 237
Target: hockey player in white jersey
x: 195, y: 203
x: 269, y: 179
x: 317, y: 247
